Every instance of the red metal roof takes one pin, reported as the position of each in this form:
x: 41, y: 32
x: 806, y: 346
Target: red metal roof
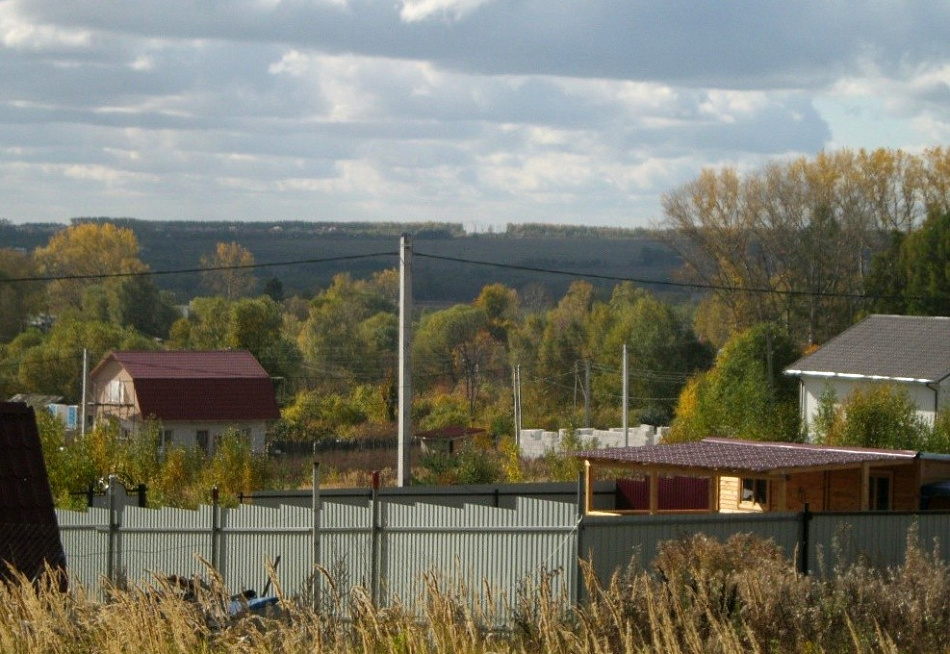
x: 726, y: 455
x: 29, y: 533
x: 205, y: 385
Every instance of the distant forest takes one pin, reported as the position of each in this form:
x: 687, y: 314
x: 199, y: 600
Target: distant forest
x: 518, y: 254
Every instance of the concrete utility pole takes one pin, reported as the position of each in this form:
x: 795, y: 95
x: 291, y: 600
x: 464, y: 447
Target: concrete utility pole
x: 82, y: 406
x: 626, y: 399
x: 405, y: 346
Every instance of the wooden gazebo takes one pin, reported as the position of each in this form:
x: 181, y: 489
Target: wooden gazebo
x: 766, y: 476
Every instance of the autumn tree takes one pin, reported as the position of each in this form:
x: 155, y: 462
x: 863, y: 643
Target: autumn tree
x: 229, y: 271
x: 85, y: 255
x: 790, y: 243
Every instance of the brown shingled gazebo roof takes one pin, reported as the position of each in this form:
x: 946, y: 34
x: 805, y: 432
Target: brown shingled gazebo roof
x: 722, y: 455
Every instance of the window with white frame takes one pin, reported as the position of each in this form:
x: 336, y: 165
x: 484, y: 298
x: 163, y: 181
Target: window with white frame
x: 115, y: 392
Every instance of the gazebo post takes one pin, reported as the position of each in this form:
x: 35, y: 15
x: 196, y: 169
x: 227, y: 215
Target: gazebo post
x: 713, y: 493
x: 654, y: 491
x: 588, y: 487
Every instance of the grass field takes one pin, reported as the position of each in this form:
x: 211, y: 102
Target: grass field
x: 699, y: 596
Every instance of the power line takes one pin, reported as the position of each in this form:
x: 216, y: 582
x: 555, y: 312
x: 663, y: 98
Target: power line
x: 667, y: 282
x: 182, y: 271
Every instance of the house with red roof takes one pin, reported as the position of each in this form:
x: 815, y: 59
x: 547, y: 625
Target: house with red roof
x: 196, y: 395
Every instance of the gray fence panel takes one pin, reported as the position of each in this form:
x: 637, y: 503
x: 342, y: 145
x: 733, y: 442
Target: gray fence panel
x: 478, y: 552
x: 879, y: 539
x: 615, y: 542
x: 252, y: 537
x: 345, y: 545
x: 158, y: 542
x: 85, y: 540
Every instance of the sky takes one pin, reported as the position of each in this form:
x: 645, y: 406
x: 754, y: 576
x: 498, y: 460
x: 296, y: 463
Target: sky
x: 479, y: 112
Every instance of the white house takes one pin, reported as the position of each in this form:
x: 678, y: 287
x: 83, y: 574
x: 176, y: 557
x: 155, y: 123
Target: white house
x: 908, y: 352
x: 197, y: 395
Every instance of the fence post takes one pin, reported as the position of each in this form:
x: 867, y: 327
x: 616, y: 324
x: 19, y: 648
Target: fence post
x: 113, y: 533
x: 215, y: 528
x: 315, y: 509
x: 374, y: 541
x: 579, y: 541
x: 804, y: 544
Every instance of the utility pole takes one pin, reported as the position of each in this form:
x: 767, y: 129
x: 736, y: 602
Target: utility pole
x: 587, y: 392
x: 405, y: 346
x: 626, y: 399
x: 82, y: 407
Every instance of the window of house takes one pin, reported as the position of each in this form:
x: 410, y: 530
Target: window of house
x: 115, y: 392
x: 754, y: 491
x: 168, y: 438
x: 202, y: 436
x: 879, y: 493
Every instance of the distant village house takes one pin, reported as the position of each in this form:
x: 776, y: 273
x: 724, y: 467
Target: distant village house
x: 197, y: 396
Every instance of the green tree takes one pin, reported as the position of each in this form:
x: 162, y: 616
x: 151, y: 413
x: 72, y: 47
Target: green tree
x: 18, y: 299
x: 54, y: 365
x: 662, y: 352
x: 745, y: 394
x: 136, y: 302
x: 878, y: 416
x: 564, y: 345
x: 337, y: 337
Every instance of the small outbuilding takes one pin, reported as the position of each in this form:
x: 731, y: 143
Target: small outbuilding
x: 750, y: 476
x: 446, y: 439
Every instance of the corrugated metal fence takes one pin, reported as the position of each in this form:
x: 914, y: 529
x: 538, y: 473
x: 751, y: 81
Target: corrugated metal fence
x: 389, y: 545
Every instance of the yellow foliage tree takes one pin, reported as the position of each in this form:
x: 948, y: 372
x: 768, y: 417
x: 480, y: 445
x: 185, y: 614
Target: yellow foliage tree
x: 83, y: 255
x: 229, y: 271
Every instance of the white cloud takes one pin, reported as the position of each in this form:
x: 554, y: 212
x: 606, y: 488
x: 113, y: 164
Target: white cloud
x: 418, y: 10
x: 19, y: 33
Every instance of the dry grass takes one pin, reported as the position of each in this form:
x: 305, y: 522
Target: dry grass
x: 700, y: 596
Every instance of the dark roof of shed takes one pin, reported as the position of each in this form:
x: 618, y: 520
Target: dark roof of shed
x: 200, y: 385
x: 450, y: 433
x: 29, y: 533
x: 900, y: 348
x: 725, y: 455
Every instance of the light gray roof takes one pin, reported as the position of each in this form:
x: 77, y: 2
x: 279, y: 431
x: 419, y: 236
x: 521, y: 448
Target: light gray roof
x: 899, y: 348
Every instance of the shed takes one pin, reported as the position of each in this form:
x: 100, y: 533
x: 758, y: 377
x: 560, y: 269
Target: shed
x: 29, y: 532
x: 446, y: 439
x: 750, y: 476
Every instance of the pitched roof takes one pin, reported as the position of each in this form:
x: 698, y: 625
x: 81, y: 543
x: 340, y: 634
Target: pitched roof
x: 899, y: 348
x: 727, y: 456
x: 29, y: 533
x: 198, y: 385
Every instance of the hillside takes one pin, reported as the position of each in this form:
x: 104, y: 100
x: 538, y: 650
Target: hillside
x: 611, y: 253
